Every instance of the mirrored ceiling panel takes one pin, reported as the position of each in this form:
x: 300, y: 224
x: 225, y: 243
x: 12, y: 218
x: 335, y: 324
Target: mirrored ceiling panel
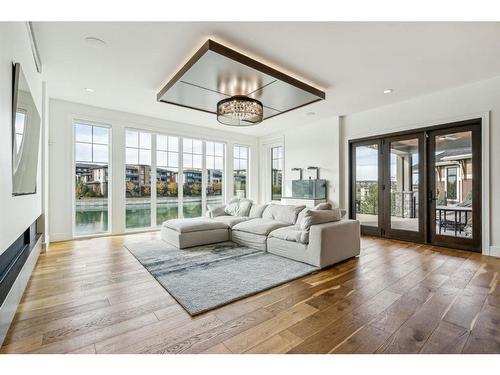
x: 189, y: 95
x: 217, y: 72
x: 278, y: 96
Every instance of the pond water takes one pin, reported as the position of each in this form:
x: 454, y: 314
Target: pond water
x: 94, y: 219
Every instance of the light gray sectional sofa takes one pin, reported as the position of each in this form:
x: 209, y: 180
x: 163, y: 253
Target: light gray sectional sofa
x: 320, y: 237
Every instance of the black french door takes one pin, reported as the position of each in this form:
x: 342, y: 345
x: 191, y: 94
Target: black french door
x: 420, y: 186
x: 387, y: 192
x: 454, y: 193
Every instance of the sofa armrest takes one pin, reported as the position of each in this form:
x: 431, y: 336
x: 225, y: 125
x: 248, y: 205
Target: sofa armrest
x: 335, y: 241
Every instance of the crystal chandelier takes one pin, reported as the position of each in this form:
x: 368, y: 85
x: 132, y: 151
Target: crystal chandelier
x: 239, y: 110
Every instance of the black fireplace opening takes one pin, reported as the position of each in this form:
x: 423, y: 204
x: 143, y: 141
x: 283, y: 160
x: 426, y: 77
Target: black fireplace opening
x: 13, y: 259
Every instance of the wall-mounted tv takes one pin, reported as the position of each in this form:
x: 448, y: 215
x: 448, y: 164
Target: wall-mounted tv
x: 25, y: 135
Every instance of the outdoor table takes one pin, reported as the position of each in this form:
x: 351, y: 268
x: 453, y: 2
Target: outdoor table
x: 458, y: 215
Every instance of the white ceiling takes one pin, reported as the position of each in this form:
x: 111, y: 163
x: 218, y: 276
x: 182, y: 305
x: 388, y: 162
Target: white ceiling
x: 354, y: 62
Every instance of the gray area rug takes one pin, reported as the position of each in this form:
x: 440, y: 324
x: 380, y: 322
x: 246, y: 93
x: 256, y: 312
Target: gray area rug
x: 205, y: 277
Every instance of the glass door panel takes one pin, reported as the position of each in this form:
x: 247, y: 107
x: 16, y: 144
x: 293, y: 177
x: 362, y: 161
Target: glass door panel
x: 366, y: 185
x: 403, y: 185
x: 455, y: 189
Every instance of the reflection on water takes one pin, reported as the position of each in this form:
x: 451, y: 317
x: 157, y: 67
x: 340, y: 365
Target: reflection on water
x: 192, y: 209
x: 138, y: 216
x: 94, y: 219
x: 90, y: 220
x: 166, y: 211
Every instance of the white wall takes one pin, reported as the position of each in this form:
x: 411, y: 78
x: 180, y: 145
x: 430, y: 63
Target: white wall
x: 470, y: 101
x: 315, y: 144
x: 16, y: 213
x: 61, y: 117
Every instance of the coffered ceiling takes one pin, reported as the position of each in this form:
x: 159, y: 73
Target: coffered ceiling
x: 216, y: 72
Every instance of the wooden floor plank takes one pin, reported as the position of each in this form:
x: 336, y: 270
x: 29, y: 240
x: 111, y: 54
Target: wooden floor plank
x: 92, y: 296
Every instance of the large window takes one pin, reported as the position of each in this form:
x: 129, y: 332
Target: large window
x: 276, y: 172
x: 240, y: 171
x: 214, y: 161
x: 167, y: 178
x: 138, y: 179
x: 91, y: 179
x: 192, y: 177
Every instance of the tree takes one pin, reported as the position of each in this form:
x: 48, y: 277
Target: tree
x: 81, y: 189
x: 130, y: 186
x: 162, y: 188
x: 172, y: 188
x: 369, y: 205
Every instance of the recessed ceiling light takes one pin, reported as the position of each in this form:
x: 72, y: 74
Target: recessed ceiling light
x: 88, y: 89
x: 95, y: 42
x: 310, y: 113
x: 388, y: 91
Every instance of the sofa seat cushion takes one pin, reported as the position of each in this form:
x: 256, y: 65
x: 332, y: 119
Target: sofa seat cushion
x: 260, y: 226
x: 194, y: 225
x: 291, y: 234
x: 231, y: 221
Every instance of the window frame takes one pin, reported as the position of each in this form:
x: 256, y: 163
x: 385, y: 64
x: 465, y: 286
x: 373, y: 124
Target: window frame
x: 205, y: 171
x: 74, y: 122
x: 155, y: 150
x: 247, y: 170
x: 271, y: 148
x: 152, y: 165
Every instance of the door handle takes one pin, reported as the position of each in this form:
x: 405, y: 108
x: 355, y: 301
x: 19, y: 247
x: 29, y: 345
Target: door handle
x: 431, y: 197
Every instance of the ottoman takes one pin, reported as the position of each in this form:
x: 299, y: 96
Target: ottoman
x: 198, y: 231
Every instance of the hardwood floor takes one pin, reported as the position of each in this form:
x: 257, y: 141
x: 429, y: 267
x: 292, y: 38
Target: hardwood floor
x: 92, y: 296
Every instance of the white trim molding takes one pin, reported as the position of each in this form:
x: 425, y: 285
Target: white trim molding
x: 495, y: 251
x: 265, y: 168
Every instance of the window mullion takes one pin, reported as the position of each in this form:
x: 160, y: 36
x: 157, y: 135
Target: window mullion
x: 180, y: 179
x: 204, y: 176
x: 153, y: 178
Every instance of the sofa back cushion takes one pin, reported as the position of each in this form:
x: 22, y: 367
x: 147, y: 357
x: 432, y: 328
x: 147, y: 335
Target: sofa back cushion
x: 314, y: 217
x: 257, y: 210
x: 282, y: 212
x: 238, y: 207
x: 216, y: 210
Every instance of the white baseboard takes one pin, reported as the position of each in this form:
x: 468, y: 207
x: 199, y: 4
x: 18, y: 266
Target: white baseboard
x: 9, y: 306
x: 495, y: 251
x: 56, y: 237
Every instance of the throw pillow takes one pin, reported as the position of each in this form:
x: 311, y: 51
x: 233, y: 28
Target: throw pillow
x: 314, y: 217
x: 300, y: 216
x: 232, y: 207
x: 238, y: 207
x: 323, y: 206
x: 245, y: 207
